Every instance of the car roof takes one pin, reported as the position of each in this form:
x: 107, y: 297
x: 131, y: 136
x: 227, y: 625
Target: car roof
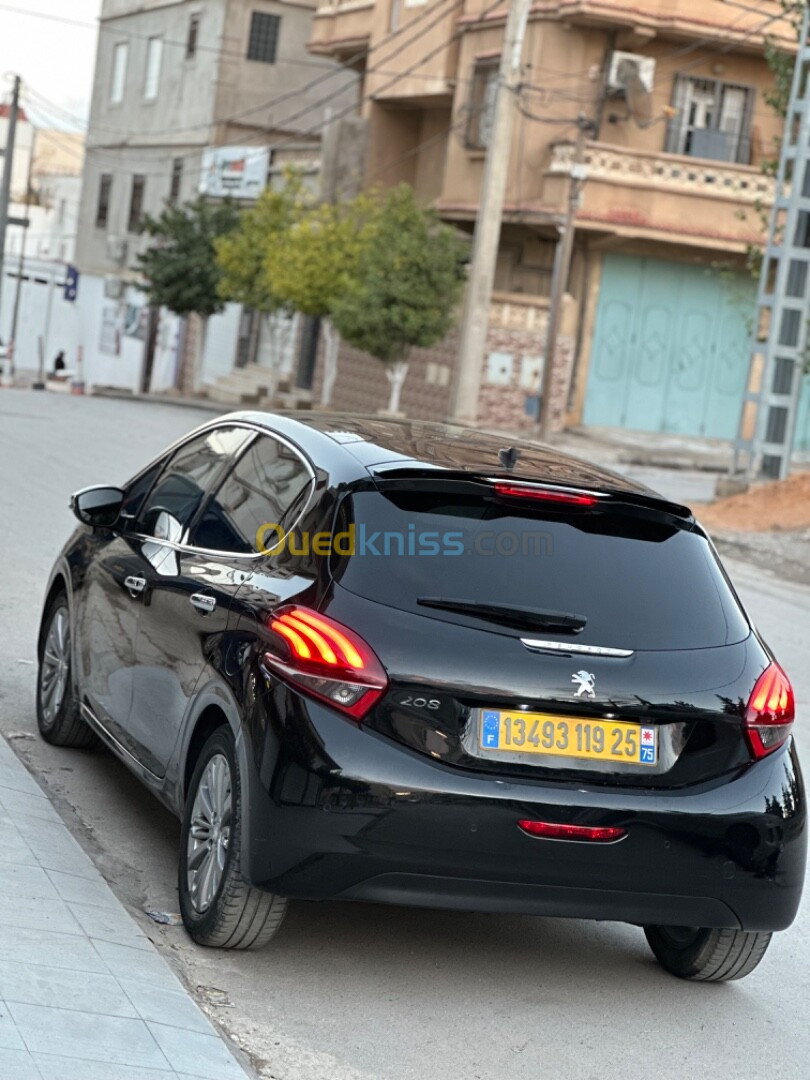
x: 384, y: 446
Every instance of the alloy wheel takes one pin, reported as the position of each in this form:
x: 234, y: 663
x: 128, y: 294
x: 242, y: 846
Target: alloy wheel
x: 210, y: 833
x: 55, y: 666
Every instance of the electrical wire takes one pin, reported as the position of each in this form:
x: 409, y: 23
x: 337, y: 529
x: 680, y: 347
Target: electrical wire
x: 335, y: 71
x: 102, y: 28
x: 542, y: 119
x: 316, y: 128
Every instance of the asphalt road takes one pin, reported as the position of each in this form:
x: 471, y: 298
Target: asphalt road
x: 361, y: 992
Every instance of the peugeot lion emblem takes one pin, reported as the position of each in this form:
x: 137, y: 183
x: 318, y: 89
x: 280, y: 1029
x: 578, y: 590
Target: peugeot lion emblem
x: 585, y: 681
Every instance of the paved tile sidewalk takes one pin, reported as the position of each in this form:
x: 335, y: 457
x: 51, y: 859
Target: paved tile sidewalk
x: 83, y: 993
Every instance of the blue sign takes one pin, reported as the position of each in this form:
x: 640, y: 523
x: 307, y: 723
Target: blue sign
x: 490, y: 734
x: 71, y: 283
x: 647, y: 747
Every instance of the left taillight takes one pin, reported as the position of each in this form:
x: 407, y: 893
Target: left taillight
x: 770, y: 713
x: 325, y: 659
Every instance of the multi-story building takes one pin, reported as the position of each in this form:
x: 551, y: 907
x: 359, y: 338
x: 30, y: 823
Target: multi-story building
x: 190, y: 96
x: 675, y: 95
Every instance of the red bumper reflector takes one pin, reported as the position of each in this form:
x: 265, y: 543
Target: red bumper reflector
x: 549, y: 495
x: 599, y: 834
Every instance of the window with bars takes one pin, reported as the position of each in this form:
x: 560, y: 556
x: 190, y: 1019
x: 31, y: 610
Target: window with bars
x: 177, y: 181
x: 136, y: 202
x: 193, y: 34
x: 263, y: 40
x: 482, y: 104
x: 103, y: 204
x: 712, y: 120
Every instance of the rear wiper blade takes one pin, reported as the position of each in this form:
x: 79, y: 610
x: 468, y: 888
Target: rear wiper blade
x: 522, y: 618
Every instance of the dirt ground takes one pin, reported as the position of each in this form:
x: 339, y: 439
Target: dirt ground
x: 770, y: 507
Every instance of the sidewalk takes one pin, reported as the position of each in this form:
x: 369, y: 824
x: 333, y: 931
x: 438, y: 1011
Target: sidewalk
x: 84, y: 995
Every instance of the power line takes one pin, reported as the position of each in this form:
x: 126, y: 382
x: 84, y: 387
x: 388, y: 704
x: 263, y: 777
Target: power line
x: 377, y: 69
x: 103, y: 28
x: 335, y: 70
x: 319, y: 125
x: 410, y: 71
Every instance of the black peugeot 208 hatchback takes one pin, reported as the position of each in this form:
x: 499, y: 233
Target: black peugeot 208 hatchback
x: 404, y: 663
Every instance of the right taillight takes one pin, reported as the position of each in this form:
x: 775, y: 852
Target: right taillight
x: 770, y: 712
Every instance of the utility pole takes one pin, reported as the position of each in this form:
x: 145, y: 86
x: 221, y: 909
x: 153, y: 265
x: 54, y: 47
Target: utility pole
x: 8, y: 163
x: 21, y: 271
x: 562, y: 272
x: 475, y: 321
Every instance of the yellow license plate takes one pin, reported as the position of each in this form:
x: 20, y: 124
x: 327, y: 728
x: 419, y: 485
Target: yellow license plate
x: 568, y: 736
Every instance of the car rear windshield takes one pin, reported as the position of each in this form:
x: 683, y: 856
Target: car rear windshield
x: 642, y: 581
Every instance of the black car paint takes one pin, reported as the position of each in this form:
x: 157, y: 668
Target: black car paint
x: 397, y: 809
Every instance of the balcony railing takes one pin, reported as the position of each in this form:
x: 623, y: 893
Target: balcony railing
x: 667, y: 173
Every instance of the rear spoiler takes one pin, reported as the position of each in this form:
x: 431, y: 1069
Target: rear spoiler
x: 394, y: 477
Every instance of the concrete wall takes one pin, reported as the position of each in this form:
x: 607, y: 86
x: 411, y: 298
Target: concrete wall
x: 510, y: 378
x: 176, y: 125
x: 277, y: 97
x: 155, y: 163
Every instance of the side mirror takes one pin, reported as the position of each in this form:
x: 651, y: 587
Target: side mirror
x: 98, y: 506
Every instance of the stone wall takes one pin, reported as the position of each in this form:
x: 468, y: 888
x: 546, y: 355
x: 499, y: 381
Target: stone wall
x: 510, y: 379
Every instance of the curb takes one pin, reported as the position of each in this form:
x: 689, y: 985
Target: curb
x: 160, y: 399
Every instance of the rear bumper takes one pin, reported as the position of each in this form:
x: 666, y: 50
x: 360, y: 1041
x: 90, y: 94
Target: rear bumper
x: 336, y: 812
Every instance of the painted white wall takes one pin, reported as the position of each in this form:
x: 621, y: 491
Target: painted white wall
x: 53, y: 226
x: 114, y: 353
x: 40, y: 276
x: 221, y: 342
x: 168, y: 347
x: 111, y: 356
x: 286, y: 339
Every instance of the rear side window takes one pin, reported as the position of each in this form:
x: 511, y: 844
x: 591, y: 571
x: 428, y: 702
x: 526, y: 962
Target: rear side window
x: 186, y: 479
x: 641, y: 582
x: 261, y: 492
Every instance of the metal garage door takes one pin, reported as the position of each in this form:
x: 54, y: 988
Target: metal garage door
x: 670, y: 350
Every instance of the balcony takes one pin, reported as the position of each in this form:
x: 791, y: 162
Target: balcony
x: 747, y: 25
x: 664, y: 196
x: 342, y: 29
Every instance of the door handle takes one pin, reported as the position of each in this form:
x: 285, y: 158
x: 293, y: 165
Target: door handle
x: 134, y: 585
x: 203, y: 603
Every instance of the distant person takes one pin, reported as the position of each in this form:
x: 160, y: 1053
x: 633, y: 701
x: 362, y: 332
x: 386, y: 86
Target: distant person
x: 59, y: 364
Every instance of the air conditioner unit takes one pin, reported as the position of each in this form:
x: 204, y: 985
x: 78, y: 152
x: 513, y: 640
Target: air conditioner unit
x: 117, y: 249
x: 114, y: 288
x: 624, y: 65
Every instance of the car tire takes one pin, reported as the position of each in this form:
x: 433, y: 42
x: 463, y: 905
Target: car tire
x: 219, y: 907
x: 707, y: 955
x: 58, y: 717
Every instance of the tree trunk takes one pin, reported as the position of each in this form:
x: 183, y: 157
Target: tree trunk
x: 189, y: 352
x: 278, y: 326
x: 194, y: 378
x: 253, y: 340
x: 331, y: 339
x: 395, y: 373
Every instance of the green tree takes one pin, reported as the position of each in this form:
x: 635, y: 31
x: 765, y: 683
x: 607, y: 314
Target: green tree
x: 241, y: 255
x: 312, y: 265
x: 180, y: 268
x: 405, y: 288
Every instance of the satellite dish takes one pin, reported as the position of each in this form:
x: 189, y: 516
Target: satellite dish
x: 639, y: 98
